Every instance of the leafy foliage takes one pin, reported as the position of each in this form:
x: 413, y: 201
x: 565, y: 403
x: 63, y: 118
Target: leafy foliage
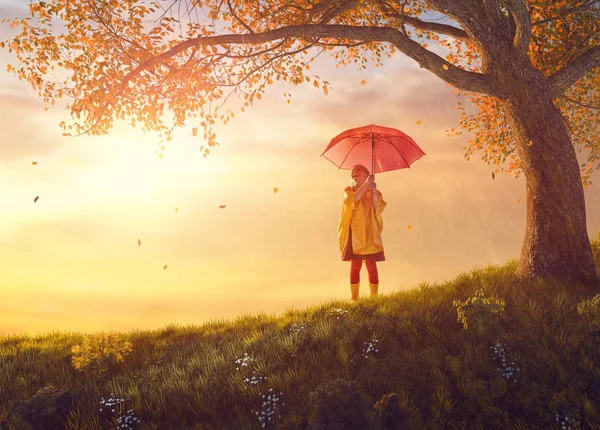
x: 590, y: 313
x: 137, y: 60
x: 479, y: 310
x: 99, y: 353
x: 395, y: 413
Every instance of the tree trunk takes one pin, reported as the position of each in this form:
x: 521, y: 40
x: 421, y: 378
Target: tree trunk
x: 556, y: 244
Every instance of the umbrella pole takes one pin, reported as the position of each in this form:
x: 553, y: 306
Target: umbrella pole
x: 372, y: 154
x: 373, y: 169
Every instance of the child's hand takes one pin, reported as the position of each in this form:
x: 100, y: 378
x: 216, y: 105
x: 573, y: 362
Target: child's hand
x: 371, y: 179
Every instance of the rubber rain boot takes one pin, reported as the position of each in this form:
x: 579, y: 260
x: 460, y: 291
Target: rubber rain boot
x: 373, y: 288
x: 354, y: 291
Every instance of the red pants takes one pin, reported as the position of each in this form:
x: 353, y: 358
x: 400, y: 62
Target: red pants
x: 371, y: 268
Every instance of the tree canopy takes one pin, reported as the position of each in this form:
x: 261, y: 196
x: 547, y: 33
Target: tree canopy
x: 139, y: 60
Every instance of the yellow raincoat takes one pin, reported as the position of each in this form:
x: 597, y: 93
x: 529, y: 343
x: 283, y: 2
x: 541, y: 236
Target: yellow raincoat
x: 366, y: 224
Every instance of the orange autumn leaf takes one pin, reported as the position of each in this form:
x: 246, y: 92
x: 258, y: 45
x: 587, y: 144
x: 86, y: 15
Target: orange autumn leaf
x: 34, y: 163
x: 164, y: 268
x: 518, y: 200
x: 410, y: 227
x: 222, y: 206
x: 364, y: 81
x: 325, y: 89
x: 275, y: 189
x: 493, y: 175
x: 418, y: 122
x: 445, y: 67
x: 139, y: 242
x: 36, y: 199
x: 176, y: 209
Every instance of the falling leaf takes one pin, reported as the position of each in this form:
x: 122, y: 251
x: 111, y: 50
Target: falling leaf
x: 275, y: 189
x: 445, y: 67
x: 493, y: 175
x: 325, y: 89
x: 530, y: 142
x: 176, y: 209
x: 36, y: 199
x: 34, y: 163
x: 139, y: 242
x: 165, y: 267
x: 222, y: 206
x: 364, y: 81
x: 409, y: 227
x: 518, y: 200
x: 418, y: 122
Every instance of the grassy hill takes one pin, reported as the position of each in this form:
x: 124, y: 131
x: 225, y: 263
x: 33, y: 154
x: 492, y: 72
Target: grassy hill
x: 523, y: 356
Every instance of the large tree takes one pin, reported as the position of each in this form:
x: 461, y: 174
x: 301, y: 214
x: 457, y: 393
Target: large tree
x: 530, y: 68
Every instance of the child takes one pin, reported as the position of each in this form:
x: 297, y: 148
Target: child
x: 360, y: 226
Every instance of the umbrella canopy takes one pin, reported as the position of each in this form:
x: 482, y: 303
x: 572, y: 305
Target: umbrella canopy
x: 381, y: 148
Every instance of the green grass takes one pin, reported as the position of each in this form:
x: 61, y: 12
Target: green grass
x: 445, y: 377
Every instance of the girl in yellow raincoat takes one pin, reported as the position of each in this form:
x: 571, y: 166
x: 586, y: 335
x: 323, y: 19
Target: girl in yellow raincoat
x: 360, y: 227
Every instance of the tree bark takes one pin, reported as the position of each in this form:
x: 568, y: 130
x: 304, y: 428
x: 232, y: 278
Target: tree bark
x: 556, y: 244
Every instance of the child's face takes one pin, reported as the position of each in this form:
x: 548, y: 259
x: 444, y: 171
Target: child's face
x: 359, y: 176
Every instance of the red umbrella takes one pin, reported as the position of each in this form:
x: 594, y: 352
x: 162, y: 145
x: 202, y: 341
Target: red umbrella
x: 384, y: 148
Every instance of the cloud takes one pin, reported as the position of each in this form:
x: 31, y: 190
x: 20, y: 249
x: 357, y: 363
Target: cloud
x: 394, y: 97
x: 23, y: 137
x: 11, y: 9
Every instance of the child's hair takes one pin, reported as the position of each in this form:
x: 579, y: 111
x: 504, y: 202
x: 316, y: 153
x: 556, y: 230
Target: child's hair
x: 362, y: 167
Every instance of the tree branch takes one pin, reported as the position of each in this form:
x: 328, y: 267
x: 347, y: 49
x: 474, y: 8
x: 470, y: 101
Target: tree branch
x: 470, y: 15
x: 583, y: 40
x: 329, y: 9
x: 495, y: 20
x: 566, y: 12
x: 573, y: 71
x: 519, y: 12
x: 457, y: 33
x: 584, y: 105
x: 462, y: 79
x: 338, y: 9
x: 237, y: 18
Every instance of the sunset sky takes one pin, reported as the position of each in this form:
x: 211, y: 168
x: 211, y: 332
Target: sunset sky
x: 71, y: 260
